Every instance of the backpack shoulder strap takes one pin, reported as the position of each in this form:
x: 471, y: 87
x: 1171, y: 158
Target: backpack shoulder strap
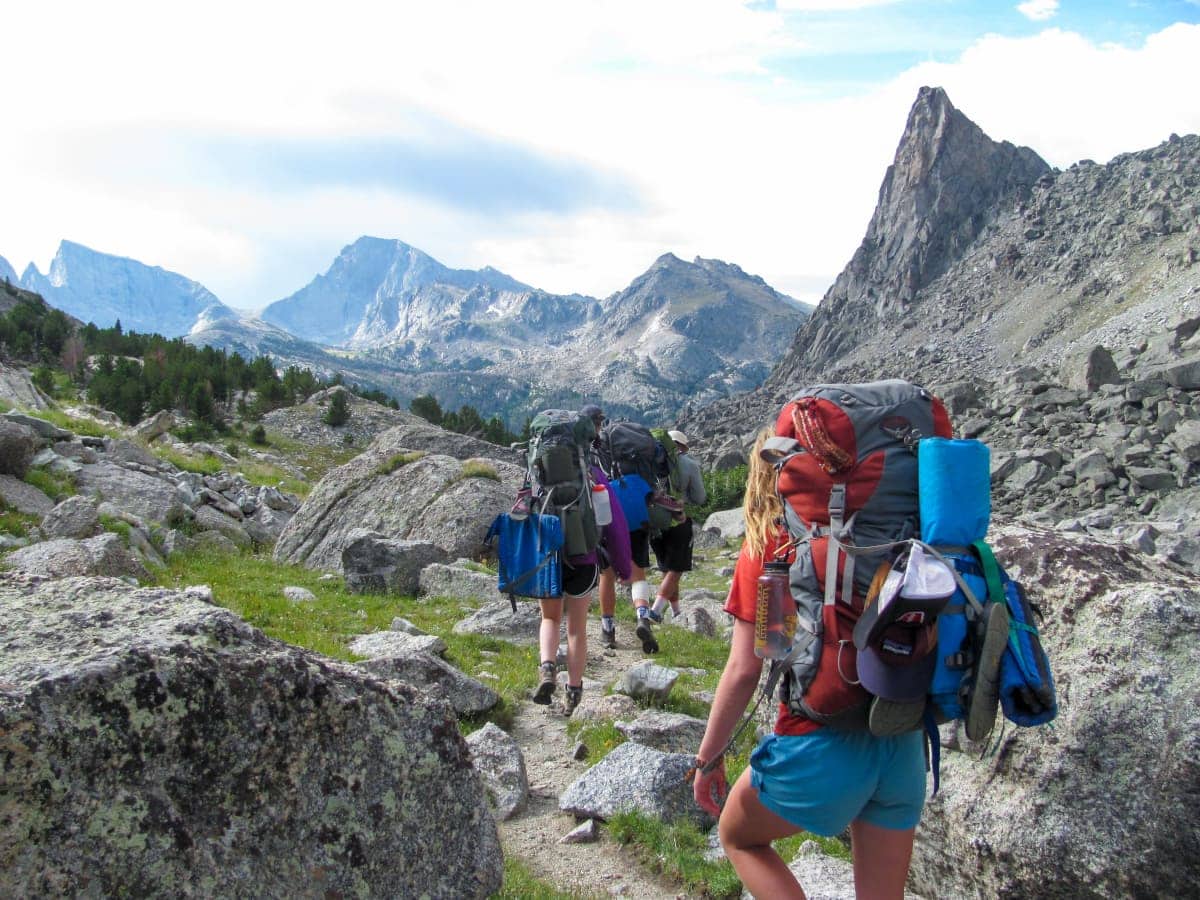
x: 991, y: 571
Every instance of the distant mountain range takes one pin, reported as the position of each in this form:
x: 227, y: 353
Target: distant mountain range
x: 104, y: 289
x: 389, y: 316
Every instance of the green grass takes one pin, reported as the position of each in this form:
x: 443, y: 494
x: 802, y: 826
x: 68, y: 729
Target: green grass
x: 521, y: 884
x: 56, y: 487
x: 476, y: 468
x: 80, y: 426
x: 252, y: 586
x: 313, y: 459
x: 601, y: 738
x: 200, y: 465
x: 116, y: 526
x: 14, y: 523
x: 394, y: 462
x: 676, y: 851
x: 263, y: 474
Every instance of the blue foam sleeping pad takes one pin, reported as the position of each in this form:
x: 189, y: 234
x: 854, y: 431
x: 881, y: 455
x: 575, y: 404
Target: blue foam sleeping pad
x: 955, y: 485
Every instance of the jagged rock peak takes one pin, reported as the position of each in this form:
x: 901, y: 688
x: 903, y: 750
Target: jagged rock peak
x: 947, y: 182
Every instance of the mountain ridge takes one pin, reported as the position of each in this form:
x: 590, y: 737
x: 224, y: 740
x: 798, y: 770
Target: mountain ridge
x: 1014, y: 263
x: 105, y: 288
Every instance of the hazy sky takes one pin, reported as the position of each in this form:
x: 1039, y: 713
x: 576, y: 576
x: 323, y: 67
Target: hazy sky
x: 568, y: 142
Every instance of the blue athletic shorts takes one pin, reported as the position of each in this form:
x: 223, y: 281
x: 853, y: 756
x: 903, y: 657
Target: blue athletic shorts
x: 824, y: 780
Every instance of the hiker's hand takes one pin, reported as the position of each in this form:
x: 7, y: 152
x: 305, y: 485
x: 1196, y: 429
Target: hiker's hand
x: 710, y: 790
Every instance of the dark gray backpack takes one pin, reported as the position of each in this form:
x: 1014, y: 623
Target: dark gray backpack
x: 558, y: 475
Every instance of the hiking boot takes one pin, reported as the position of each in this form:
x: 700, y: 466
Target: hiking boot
x: 574, y: 695
x: 655, y: 617
x: 608, y: 637
x: 524, y: 505
x: 646, y: 635
x: 547, y: 684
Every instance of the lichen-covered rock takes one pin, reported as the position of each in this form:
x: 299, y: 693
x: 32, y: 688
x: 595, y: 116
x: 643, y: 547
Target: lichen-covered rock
x: 458, y: 583
x: 648, y: 681
x: 499, y: 621
x: 22, y: 497
x: 396, y: 491
x: 75, y: 517
x: 597, y: 707
x: 208, y: 518
x: 375, y: 564
x: 1103, y: 802
x: 436, y: 677
x: 396, y: 643
x: 634, y: 777
x: 670, y: 732
x: 500, y: 763
x: 18, y: 444
x: 104, y: 554
x: 149, y: 497
x: 155, y: 745
x: 729, y: 523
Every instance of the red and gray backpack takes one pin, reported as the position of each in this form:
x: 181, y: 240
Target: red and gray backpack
x: 847, y: 475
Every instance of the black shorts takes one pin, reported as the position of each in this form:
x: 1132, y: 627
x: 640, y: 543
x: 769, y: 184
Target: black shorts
x: 673, y: 548
x: 639, y: 548
x: 577, y: 580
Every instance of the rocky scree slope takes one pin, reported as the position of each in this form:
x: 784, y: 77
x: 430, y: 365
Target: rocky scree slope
x: 980, y: 257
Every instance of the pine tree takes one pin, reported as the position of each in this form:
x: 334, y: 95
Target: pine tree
x: 339, y: 410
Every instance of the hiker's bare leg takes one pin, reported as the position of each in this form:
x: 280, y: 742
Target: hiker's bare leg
x: 548, y: 629
x: 670, y: 587
x: 881, y: 858
x: 577, y: 610
x: 608, y: 592
x: 747, y: 829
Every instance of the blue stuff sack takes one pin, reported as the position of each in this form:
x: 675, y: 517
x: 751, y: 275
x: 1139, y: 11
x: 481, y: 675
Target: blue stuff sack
x: 954, y: 482
x: 957, y: 642
x: 1027, y: 694
x: 528, y: 555
x: 631, y: 492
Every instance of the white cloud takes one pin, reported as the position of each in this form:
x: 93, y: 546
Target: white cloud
x: 679, y: 99
x: 1038, y: 10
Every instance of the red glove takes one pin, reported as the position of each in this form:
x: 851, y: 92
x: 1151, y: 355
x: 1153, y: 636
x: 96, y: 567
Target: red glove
x: 711, y: 789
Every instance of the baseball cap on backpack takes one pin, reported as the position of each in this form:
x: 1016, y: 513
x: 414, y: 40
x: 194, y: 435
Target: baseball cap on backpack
x: 896, y: 635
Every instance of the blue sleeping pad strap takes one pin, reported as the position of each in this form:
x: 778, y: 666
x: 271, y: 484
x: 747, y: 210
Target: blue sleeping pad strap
x: 525, y: 576
x: 933, y: 741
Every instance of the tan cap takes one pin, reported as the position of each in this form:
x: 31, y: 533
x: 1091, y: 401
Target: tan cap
x: 678, y: 437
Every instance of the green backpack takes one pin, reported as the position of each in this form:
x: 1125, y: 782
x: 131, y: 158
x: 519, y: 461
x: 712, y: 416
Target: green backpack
x: 557, y: 473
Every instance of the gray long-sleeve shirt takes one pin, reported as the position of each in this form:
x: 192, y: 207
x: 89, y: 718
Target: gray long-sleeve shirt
x: 693, y: 482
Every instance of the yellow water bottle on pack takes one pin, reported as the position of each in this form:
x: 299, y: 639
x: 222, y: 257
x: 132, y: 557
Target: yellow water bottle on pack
x: 774, y: 613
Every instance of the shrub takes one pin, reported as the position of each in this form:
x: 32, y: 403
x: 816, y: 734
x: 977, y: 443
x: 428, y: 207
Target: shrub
x: 233, y: 449
x: 258, y: 436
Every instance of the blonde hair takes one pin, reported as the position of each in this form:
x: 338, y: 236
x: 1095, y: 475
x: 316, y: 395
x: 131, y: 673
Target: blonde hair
x: 761, y: 505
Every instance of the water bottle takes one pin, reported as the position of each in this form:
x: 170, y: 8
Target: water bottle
x: 774, y: 613
x: 601, y: 505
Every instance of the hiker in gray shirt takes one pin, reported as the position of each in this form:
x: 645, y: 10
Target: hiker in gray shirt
x: 673, y: 548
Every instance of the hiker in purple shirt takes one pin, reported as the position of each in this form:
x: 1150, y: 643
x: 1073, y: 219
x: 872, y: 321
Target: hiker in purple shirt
x: 579, y: 577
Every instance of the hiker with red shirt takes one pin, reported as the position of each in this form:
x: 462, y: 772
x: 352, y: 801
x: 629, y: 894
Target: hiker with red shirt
x: 804, y: 776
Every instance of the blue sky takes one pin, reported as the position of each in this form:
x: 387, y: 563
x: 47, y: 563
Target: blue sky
x: 568, y: 144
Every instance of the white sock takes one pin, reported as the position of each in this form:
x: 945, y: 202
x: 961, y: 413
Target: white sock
x: 660, y: 603
x: 607, y: 622
x: 675, y: 610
